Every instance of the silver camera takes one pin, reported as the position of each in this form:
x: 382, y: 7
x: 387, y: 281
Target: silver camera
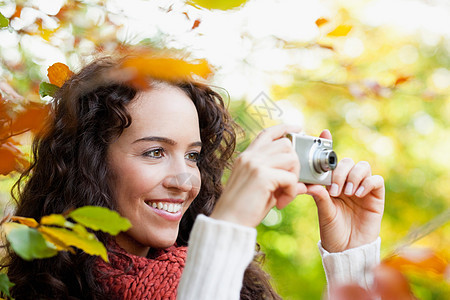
x: 316, y: 156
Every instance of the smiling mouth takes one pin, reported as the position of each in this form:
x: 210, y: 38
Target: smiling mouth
x: 164, y: 206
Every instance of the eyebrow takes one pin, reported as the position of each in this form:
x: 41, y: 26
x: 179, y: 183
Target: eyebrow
x: 164, y: 140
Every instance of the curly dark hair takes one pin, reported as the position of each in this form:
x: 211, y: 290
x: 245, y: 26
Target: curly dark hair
x: 70, y: 170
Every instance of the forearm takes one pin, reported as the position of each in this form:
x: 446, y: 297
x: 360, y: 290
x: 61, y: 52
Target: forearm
x: 219, y: 252
x: 351, y: 266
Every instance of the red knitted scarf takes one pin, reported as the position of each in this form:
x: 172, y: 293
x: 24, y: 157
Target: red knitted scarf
x: 128, y: 276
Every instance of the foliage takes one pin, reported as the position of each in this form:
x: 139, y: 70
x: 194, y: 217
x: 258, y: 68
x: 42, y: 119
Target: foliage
x: 32, y: 240
x: 382, y: 93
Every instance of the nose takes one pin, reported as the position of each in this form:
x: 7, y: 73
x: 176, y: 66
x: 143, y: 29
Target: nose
x: 181, y: 177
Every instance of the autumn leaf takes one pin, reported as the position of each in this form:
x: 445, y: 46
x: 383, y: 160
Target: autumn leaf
x: 4, y: 22
x: 12, y: 159
x: 55, y: 219
x: 32, y: 118
x: 30, y: 222
x: 341, y: 30
x: 418, y: 260
x: 87, y: 243
x: 58, y: 73
x: 196, y: 24
x: 100, y: 218
x: 18, y: 12
x: 402, y: 79
x: 8, y: 161
x: 217, y: 4
x: 321, y: 21
x: 27, y: 242
x: 141, y: 68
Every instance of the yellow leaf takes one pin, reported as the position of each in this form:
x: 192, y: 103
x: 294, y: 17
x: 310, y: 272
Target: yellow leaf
x: 54, y: 219
x: 30, y: 222
x: 217, y: 4
x: 341, y: 30
x: 59, y: 244
x: 58, y: 73
x: 88, y: 243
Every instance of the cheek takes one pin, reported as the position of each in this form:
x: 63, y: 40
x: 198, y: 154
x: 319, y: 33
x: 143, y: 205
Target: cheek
x: 133, y: 181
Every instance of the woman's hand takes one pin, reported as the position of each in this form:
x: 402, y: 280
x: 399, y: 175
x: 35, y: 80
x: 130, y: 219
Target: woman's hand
x: 350, y: 210
x: 264, y: 175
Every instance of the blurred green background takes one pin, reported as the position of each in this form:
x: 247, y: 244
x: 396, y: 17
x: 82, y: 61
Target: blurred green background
x: 375, y: 73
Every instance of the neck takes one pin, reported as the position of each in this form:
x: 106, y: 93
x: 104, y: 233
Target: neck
x: 131, y: 246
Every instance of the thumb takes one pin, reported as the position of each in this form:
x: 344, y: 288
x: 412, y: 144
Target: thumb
x: 322, y: 198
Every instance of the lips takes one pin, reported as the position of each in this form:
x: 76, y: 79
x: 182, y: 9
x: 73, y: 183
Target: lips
x: 169, y: 209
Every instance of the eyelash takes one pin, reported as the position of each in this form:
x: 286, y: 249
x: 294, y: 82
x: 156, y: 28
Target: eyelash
x: 149, y: 154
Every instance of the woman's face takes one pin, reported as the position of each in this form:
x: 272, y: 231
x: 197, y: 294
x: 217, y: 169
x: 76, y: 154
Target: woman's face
x: 154, y: 166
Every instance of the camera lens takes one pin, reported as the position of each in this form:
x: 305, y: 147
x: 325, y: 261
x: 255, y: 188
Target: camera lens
x: 325, y: 161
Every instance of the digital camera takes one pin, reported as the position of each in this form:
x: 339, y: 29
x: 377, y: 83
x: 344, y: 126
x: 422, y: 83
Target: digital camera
x: 316, y: 156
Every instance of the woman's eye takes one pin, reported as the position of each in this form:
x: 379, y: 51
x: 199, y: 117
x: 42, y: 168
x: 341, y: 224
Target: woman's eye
x: 193, y: 156
x: 155, y: 153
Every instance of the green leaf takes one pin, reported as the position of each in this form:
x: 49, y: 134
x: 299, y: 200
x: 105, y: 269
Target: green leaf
x: 217, y: 4
x: 4, y: 22
x: 47, y: 89
x: 5, y: 285
x: 27, y: 242
x: 85, y: 241
x: 100, y: 218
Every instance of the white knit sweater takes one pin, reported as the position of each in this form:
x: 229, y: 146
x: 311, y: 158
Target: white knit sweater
x: 219, y: 252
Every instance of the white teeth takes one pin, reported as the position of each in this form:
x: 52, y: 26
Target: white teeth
x: 169, y: 207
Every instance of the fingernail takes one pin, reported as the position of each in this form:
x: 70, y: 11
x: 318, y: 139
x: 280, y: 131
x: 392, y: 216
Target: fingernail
x: 334, y: 190
x: 359, y: 191
x: 348, y: 188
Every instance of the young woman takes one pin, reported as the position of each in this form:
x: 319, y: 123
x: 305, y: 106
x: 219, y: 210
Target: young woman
x: 157, y: 156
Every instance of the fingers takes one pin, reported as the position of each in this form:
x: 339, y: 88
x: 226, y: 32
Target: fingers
x: 340, y: 176
x: 355, y: 179
x: 326, y: 134
x: 374, y: 184
x: 358, y: 173
x: 274, y: 133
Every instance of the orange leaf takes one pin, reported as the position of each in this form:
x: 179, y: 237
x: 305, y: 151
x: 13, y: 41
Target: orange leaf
x: 420, y: 260
x: 341, y: 30
x: 391, y: 284
x: 8, y: 161
x: 30, y: 222
x: 141, y: 68
x: 17, y: 12
x: 58, y: 73
x: 31, y: 118
x: 321, y: 21
x: 402, y: 79
x: 196, y: 24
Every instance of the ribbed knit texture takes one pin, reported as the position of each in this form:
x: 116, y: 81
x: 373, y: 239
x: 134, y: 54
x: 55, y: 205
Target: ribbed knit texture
x: 352, y: 265
x: 128, y: 276
x: 219, y: 252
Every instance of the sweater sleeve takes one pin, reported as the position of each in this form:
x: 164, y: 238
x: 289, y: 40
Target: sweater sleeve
x: 352, y: 265
x: 218, y: 254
